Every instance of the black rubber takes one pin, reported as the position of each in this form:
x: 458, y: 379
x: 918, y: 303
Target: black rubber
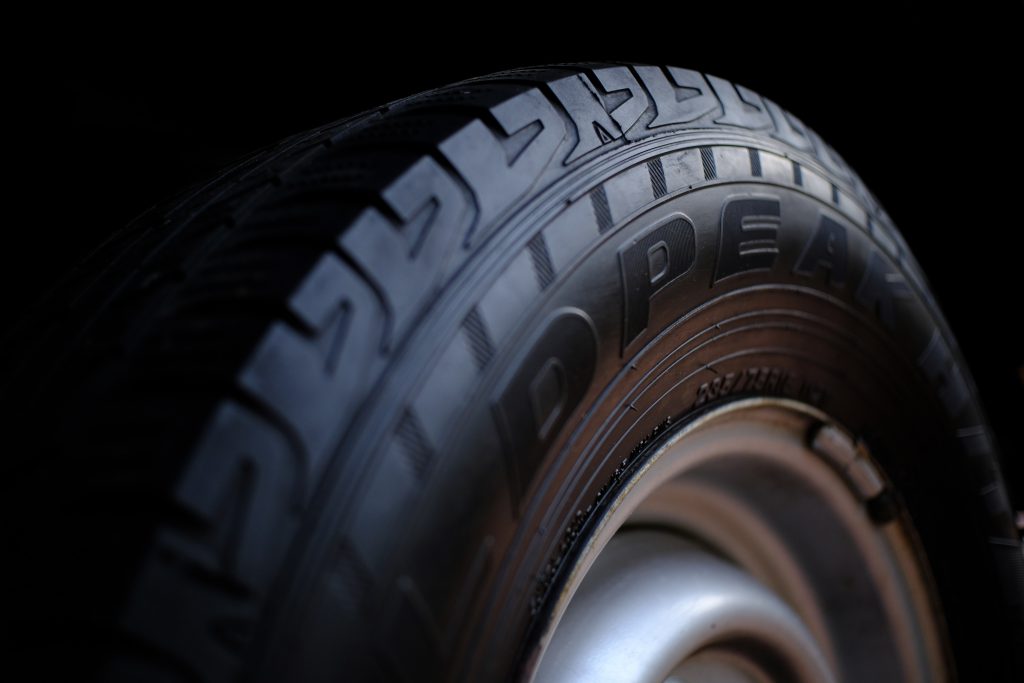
x: 344, y: 412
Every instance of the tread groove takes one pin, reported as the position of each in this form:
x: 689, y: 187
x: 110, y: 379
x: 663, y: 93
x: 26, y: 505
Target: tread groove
x: 418, y: 451
x: 755, y: 162
x: 541, y: 258
x: 657, y: 173
x: 707, y: 158
x: 603, y: 213
x: 479, y: 339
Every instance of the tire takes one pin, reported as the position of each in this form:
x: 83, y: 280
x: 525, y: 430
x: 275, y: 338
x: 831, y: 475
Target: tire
x: 353, y: 409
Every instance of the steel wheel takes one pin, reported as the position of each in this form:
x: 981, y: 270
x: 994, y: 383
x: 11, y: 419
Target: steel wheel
x: 748, y: 547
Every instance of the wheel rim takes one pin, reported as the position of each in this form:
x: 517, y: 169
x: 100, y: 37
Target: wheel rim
x: 752, y: 545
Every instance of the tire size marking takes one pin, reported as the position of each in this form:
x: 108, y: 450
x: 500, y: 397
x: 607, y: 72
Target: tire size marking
x: 760, y: 379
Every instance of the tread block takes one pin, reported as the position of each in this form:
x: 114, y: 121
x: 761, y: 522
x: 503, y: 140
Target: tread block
x: 629, y: 101
x: 317, y: 381
x: 740, y: 106
x: 594, y: 127
x: 499, y: 176
x: 245, y: 485
x: 407, y: 260
x: 680, y: 95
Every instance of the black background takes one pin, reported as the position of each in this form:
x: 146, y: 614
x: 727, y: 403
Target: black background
x: 922, y: 103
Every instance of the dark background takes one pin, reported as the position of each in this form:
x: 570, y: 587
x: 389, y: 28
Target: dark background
x: 922, y: 103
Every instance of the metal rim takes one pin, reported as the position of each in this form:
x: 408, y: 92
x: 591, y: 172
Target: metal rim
x: 743, y: 550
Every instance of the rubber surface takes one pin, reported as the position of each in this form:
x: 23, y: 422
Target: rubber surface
x: 344, y: 411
